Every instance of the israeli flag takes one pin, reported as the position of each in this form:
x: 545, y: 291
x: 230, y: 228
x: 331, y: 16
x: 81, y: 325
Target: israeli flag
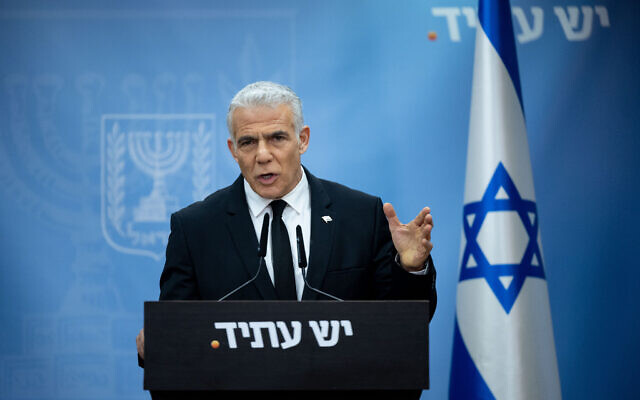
x: 503, y: 340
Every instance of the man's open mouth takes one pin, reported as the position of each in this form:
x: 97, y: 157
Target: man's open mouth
x: 267, y: 178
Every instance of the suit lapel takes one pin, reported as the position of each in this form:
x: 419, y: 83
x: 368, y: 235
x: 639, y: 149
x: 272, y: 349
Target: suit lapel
x: 321, y: 236
x: 243, y: 235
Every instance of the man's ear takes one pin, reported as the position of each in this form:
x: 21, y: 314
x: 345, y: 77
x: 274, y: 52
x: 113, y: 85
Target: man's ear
x: 232, y: 149
x: 303, y: 143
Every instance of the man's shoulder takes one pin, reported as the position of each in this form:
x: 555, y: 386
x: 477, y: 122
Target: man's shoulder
x: 215, y: 203
x: 339, y: 193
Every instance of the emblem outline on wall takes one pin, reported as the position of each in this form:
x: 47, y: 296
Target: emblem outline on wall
x: 151, y: 149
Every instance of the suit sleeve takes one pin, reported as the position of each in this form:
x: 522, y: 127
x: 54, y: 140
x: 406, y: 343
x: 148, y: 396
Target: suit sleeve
x: 392, y: 281
x: 178, y: 280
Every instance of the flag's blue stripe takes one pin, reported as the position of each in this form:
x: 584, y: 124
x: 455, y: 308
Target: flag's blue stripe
x: 466, y: 382
x: 495, y: 18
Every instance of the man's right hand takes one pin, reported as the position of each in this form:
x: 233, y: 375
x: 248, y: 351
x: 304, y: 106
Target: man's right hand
x: 140, y: 343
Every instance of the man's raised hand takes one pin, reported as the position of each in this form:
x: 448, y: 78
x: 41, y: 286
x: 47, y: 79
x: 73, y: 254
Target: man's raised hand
x: 412, y: 240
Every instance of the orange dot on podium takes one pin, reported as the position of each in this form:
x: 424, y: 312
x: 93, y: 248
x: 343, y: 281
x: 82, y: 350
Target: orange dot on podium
x: 432, y: 35
x: 215, y: 344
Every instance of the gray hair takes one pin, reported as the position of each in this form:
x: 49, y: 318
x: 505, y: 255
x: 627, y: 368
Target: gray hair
x: 267, y: 94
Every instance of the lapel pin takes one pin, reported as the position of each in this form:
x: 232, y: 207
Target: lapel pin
x: 327, y: 219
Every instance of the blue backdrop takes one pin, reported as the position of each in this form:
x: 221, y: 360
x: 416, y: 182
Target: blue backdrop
x: 85, y: 86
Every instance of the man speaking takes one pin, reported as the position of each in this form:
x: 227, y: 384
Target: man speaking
x: 356, y: 247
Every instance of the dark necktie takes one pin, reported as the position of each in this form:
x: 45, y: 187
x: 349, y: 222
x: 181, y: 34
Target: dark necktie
x: 281, y: 254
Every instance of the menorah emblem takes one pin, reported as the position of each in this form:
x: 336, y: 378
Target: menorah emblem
x: 136, y: 147
x: 157, y: 154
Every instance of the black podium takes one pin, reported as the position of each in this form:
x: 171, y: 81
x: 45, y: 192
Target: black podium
x: 286, y: 345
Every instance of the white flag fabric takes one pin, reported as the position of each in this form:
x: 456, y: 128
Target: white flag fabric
x: 503, y: 337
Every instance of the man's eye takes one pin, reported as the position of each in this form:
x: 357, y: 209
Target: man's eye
x: 246, y: 142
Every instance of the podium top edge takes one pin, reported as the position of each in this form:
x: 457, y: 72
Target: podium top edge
x: 292, y: 301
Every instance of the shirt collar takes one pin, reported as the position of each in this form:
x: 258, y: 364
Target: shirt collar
x: 296, y: 199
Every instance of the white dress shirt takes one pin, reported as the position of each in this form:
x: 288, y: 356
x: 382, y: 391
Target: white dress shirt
x: 297, y: 212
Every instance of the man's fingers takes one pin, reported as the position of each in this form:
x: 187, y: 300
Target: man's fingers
x: 421, y: 218
x: 428, y: 219
x: 425, y: 229
x: 428, y: 226
x: 140, y: 343
x: 391, y: 215
x: 413, y: 241
x: 428, y: 245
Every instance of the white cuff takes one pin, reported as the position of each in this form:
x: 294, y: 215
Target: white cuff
x: 423, y: 271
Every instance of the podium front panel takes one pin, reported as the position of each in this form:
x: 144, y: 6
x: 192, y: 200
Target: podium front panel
x: 286, y: 345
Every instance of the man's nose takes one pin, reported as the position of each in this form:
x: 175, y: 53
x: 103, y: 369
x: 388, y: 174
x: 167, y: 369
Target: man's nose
x: 264, y: 153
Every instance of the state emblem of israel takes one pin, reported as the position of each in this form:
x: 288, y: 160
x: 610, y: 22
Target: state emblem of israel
x: 152, y: 165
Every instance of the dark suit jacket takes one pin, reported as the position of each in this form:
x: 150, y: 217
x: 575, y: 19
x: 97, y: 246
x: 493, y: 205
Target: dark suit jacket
x: 212, y: 249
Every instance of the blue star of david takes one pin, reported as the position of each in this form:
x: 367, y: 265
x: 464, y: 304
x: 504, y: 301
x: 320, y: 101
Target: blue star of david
x: 531, y: 262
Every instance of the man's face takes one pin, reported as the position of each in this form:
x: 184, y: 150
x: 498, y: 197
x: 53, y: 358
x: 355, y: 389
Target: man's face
x: 267, y: 150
